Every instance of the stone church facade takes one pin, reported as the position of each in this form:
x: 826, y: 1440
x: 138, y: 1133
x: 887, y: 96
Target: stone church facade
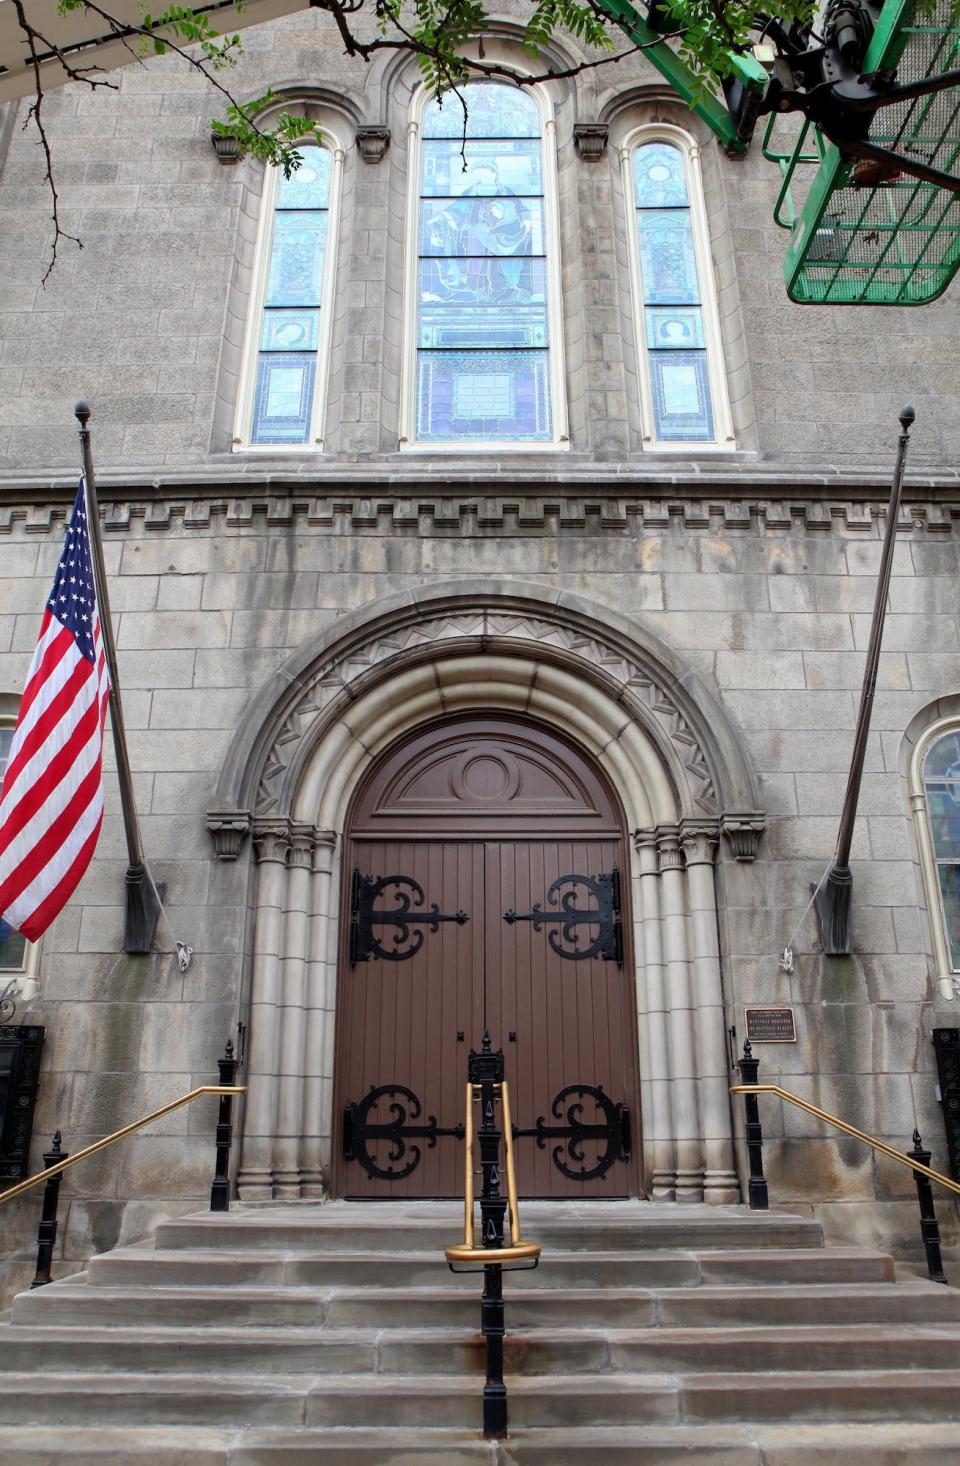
x: 627, y: 622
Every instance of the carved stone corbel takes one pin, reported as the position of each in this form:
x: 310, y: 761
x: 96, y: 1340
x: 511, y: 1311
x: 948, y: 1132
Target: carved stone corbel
x: 373, y: 143
x: 590, y: 140
x: 228, y: 829
x: 742, y: 830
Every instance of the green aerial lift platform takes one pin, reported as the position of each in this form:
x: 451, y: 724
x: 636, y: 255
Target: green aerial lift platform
x: 878, y: 87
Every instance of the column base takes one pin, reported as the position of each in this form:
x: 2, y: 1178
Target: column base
x: 721, y: 1188
x: 690, y: 1185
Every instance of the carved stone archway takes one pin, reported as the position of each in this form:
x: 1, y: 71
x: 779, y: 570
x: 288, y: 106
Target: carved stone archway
x: 628, y: 699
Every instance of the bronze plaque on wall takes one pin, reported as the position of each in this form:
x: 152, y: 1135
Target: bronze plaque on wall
x: 771, y: 1025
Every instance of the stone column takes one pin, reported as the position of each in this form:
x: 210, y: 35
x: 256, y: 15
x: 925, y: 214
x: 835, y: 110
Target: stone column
x: 271, y: 840
x: 321, y: 990
x: 682, y: 1019
x: 658, y: 1132
x: 292, y: 1013
x: 720, y: 1185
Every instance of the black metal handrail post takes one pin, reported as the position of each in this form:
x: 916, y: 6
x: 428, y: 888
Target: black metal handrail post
x: 749, y: 1068
x: 220, y: 1187
x: 47, y: 1230
x: 929, y: 1226
x: 486, y: 1070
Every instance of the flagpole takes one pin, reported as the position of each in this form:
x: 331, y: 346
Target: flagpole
x: 142, y: 907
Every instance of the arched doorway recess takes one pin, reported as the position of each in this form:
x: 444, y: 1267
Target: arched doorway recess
x: 481, y: 891
x: 659, y: 737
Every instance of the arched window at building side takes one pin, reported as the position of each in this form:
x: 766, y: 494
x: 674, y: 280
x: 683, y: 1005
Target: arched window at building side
x: 682, y: 381
x: 484, y: 332
x: 14, y: 949
x: 285, y: 366
x: 935, y: 796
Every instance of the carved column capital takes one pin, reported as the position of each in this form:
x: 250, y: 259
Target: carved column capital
x: 669, y: 847
x: 228, y: 828
x: 303, y: 838
x: 742, y: 830
x: 271, y: 840
x: 700, y: 839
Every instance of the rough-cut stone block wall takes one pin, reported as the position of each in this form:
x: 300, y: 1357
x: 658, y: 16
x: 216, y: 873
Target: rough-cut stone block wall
x: 768, y: 600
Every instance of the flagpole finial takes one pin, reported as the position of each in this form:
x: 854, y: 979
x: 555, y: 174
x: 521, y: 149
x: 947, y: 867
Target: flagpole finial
x: 82, y: 412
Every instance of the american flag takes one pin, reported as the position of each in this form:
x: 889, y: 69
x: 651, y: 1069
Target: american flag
x: 51, y: 803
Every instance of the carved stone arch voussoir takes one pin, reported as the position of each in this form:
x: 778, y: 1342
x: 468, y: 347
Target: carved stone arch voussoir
x: 642, y: 675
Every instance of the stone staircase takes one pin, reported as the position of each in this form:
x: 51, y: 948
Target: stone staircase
x: 649, y: 1333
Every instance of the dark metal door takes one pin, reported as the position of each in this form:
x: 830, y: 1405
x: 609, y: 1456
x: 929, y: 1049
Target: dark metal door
x: 497, y: 903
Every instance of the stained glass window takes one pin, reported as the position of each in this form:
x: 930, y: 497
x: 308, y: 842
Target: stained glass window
x: 13, y: 946
x: 673, y: 327
x: 290, y: 330
x: 941, y: 787
x: 483, y: 340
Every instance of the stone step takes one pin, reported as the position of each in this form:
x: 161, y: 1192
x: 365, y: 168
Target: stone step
x: 131, y: 1267
x: 614, y: 1227
x: 707, y: 1306
x: 417, y: 1352
x: 836, y: 1444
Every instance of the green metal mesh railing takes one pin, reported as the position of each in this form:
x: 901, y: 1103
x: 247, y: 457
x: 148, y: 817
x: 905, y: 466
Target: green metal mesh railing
x: 895, y: 243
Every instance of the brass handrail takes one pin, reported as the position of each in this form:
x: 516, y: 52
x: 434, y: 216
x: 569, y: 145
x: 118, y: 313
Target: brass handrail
x: 517, y: 1250
x: 871, y: 1140
x: 88, y: 1150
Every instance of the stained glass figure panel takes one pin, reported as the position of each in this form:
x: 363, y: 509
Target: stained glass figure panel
x: 308, y: 187
x: 296, y: 260
x: 675, y: 329
x: 492, y: 111
x: 660, y: 177
x: 13, y: 947
x: 283, y: 397
x: 943, y: 758
x: 471, y: 396
x: 481, y: 226
x: 290, y: 330
x: 681, y: 395
x: 941, y: 778
x: 483, y: 282
x: 492, y: 170
x: 668, y: 259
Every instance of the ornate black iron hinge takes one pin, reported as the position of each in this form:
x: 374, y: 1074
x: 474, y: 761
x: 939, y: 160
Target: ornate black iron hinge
x: 364, y: 916
x: 610, y: 1132
x: 605, y: 916
x: 359, y: 1131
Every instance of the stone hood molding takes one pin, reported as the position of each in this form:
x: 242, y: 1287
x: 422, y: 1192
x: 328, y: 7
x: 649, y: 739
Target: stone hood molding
x: 499, y: 622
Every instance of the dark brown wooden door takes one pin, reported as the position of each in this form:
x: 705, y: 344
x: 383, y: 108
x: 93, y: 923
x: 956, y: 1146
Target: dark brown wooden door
x: 462, y: 846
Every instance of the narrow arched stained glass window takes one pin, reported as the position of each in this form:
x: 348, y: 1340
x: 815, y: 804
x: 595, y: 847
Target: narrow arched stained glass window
x: 291, y: 329
x: 13, y: 947
x: 672, y: 303
x: 482, y: 342
x: 941, y: 789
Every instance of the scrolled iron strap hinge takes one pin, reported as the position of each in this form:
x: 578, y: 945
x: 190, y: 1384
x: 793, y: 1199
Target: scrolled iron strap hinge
x: 608, y: 942
x: 364, y: 916
x: 611, y: 1135
x: 359, y: 1132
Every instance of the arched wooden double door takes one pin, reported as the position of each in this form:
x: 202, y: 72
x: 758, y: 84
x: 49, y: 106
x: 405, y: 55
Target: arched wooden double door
x: 483, y: 889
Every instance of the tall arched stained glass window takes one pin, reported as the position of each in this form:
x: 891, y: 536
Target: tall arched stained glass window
x: 941, y: 790
x: 681, y: 369
x: 482, y: 290
x: 288, y: 337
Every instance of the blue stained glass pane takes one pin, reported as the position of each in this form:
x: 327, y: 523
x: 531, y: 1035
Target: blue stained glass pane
x: 296, y: 259
x: 290, y: 330
x: 943, y: 757
x: 943, y: 809
x: 481, y: 226
x: 674, y: 329
x: 283, y: 397
x: 472, y: 396
x: 494, y: 169
x: 659, y: 172
x: 492, y: 111
x: 308, y: 187
x: 467, y: 327
x: 483, y: 282
x: 667, y: 258
x: 949, y: 876
x: 681, y: 395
